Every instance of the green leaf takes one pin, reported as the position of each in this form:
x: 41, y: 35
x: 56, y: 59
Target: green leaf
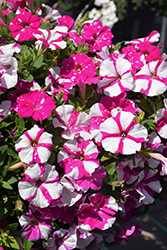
x: 11, y: 242
x: 146, y: 106
x: 147, y: 123
x: 11, y: 152
x: 46, y: 26
x: 11, y: 227
x: 4, y: 170
x: 38, y: 62
x: 111, y: 168
x: 5, y: 124
x: 19, y: 121
x: 6, y: 185
x: 29, y: 78
x: 3, y: 151
x: 27, y: 244
x: 12, y: 180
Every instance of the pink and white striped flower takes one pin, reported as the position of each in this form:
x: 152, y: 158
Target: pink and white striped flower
x: 117, y: 76
x: 151, y: 79
x: 41, y: 185
x: 71, y: 192
x: 161, y: 120
x: 152, y: 38
x: 146, y: 184
x: 100, y: 213
x: 35, y: 226
x: 62, y: 240
x: 80, y: 156
x: 122, y: 134
x: 50, y: 38
x: 74, y: 123
x: 34, y: 145
x: 8, y: 65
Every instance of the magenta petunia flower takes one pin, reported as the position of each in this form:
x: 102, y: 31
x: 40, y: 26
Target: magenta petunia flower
x: 36, y: 104
x: 78, y: 69
x: 34, y: 145
x: 100, y: 213
x: 24, y: 26
x: 96, y: 35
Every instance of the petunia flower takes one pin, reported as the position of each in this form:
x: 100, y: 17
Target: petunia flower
x: 75, y: 124
x: 79, y: 69
x: 153, y: 37
x: 117, y: 77
x: 79, y: 155
x: 100, y: 213
x: 50, y: 39
x: 161, y: 120
x: 96, y: 35
x: 34, y: 145
x: 62, y: 240
x: 24, y: 26
x: 41, y: 185
x: 35, y: 226
x: 151, y: 79
x: 122, y: 134
x: 36, y: 104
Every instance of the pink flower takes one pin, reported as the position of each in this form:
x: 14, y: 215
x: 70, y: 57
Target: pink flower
x: 41, y: 185
x: 35, y: 226
x: 24, y: 26
x: 162, y: 159
x: 150, y: 52
x: 66, y: 21
x: 152, y: 38
x: 95, y: 181
x: 161, y: 120
x: 34, y: 145
x: 127, y: 230
x: 50, y: 39
x: 121, y: 134
x: 96, y: 36
x: 151, y: 79
x: 36, y: 104
x: 79, y: 156
x: 146, y: 184
x: 79, y: 70
x: 135, y: 58
x: 117, y: 77
x: 100, y: 213
x: 54, y: 87
x: 62, y: 239
x: 15, y: 4
x: 74, y: 123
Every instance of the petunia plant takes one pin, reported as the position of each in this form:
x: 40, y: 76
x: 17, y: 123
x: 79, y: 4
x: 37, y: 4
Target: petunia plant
x: 82, y: 130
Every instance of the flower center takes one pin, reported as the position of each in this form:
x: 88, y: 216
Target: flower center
x: 79, y: 68
x: 123, y: 134
x: 26, y: 26
x: 34, y: 144
x: 81, y: 157
x: 153, y: 76
x: 34, y: 221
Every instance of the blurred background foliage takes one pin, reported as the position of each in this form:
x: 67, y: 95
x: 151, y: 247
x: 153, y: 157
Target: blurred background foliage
x: 75, y: 6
